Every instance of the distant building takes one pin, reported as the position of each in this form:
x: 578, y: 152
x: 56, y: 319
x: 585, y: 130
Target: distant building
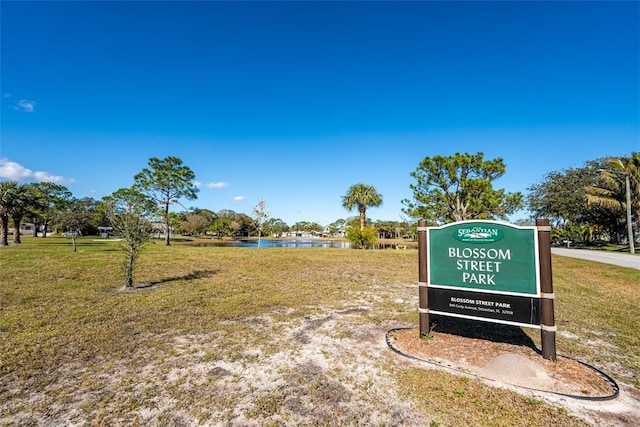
x: 25, y: 228
x: 159, y: 230
x: 104, y: 232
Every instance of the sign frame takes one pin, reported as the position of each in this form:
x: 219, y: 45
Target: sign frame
x: 463, y: 297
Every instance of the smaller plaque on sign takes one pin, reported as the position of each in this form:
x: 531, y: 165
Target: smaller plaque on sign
x: 509, y: 309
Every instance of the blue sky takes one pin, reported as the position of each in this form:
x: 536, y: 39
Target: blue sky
x: 294, y: 102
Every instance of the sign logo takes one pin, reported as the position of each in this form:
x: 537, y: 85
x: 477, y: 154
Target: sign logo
x: 478, y: 234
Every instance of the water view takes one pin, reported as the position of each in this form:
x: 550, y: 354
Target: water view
x: 297, y: 243
x: 274, y: 243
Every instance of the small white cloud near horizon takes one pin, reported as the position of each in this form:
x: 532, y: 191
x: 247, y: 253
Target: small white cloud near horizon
x: 25, y: 106
x: 16, y: 172
x: 239, y: 199
x: 217, y: 185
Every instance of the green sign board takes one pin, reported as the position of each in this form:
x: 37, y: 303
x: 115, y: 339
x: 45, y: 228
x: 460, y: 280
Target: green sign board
x: 484, y: 256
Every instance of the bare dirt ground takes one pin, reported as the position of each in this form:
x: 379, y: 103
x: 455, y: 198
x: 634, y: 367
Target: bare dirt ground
x: 330, y: 368
x: 317, y: 368
x: 322, y: 367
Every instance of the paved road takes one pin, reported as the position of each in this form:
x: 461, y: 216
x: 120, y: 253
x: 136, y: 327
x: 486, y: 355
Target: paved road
x: 622, y: 260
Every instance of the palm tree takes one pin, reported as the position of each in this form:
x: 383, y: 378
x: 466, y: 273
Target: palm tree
x: 612, y: 193
x: 361, y: 196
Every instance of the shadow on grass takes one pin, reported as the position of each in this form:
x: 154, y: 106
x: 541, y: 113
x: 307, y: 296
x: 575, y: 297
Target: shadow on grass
x: 623, y: 250
x: 495, y: 332
x: 198, y: 274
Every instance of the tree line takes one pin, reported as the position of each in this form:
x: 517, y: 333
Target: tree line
x: 584, y: 204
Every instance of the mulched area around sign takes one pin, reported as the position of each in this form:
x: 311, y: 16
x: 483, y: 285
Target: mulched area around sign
x: 518, y: 364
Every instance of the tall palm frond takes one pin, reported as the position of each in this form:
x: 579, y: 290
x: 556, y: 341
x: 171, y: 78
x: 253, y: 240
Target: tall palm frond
x: 611, y: 192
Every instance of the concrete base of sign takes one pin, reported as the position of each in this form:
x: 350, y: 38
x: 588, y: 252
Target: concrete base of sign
x: 518, y: 370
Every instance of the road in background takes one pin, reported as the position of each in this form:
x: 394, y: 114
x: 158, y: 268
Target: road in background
x: 622, y: 260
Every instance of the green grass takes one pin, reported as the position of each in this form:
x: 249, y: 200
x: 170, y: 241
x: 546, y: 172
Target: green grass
x: 71, y: 336
x: 459, y: 401
x: 599, y: 304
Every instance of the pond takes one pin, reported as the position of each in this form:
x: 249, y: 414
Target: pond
x: 297, y: 243
x: 273, y: 243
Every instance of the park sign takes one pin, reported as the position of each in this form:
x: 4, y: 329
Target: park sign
x: 486, y: 270
x: 486, y: 256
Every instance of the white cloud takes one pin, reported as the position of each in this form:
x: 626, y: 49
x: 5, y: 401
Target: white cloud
x: 25, y: 105
x: 197, y: 184
x: 217, y: 185
x: 7, y: 95
x: 239, y: 199
x: 47, y: 177
x: 16, y: 172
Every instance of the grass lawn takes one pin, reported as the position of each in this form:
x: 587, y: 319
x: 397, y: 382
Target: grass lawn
x: 245, y: 336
